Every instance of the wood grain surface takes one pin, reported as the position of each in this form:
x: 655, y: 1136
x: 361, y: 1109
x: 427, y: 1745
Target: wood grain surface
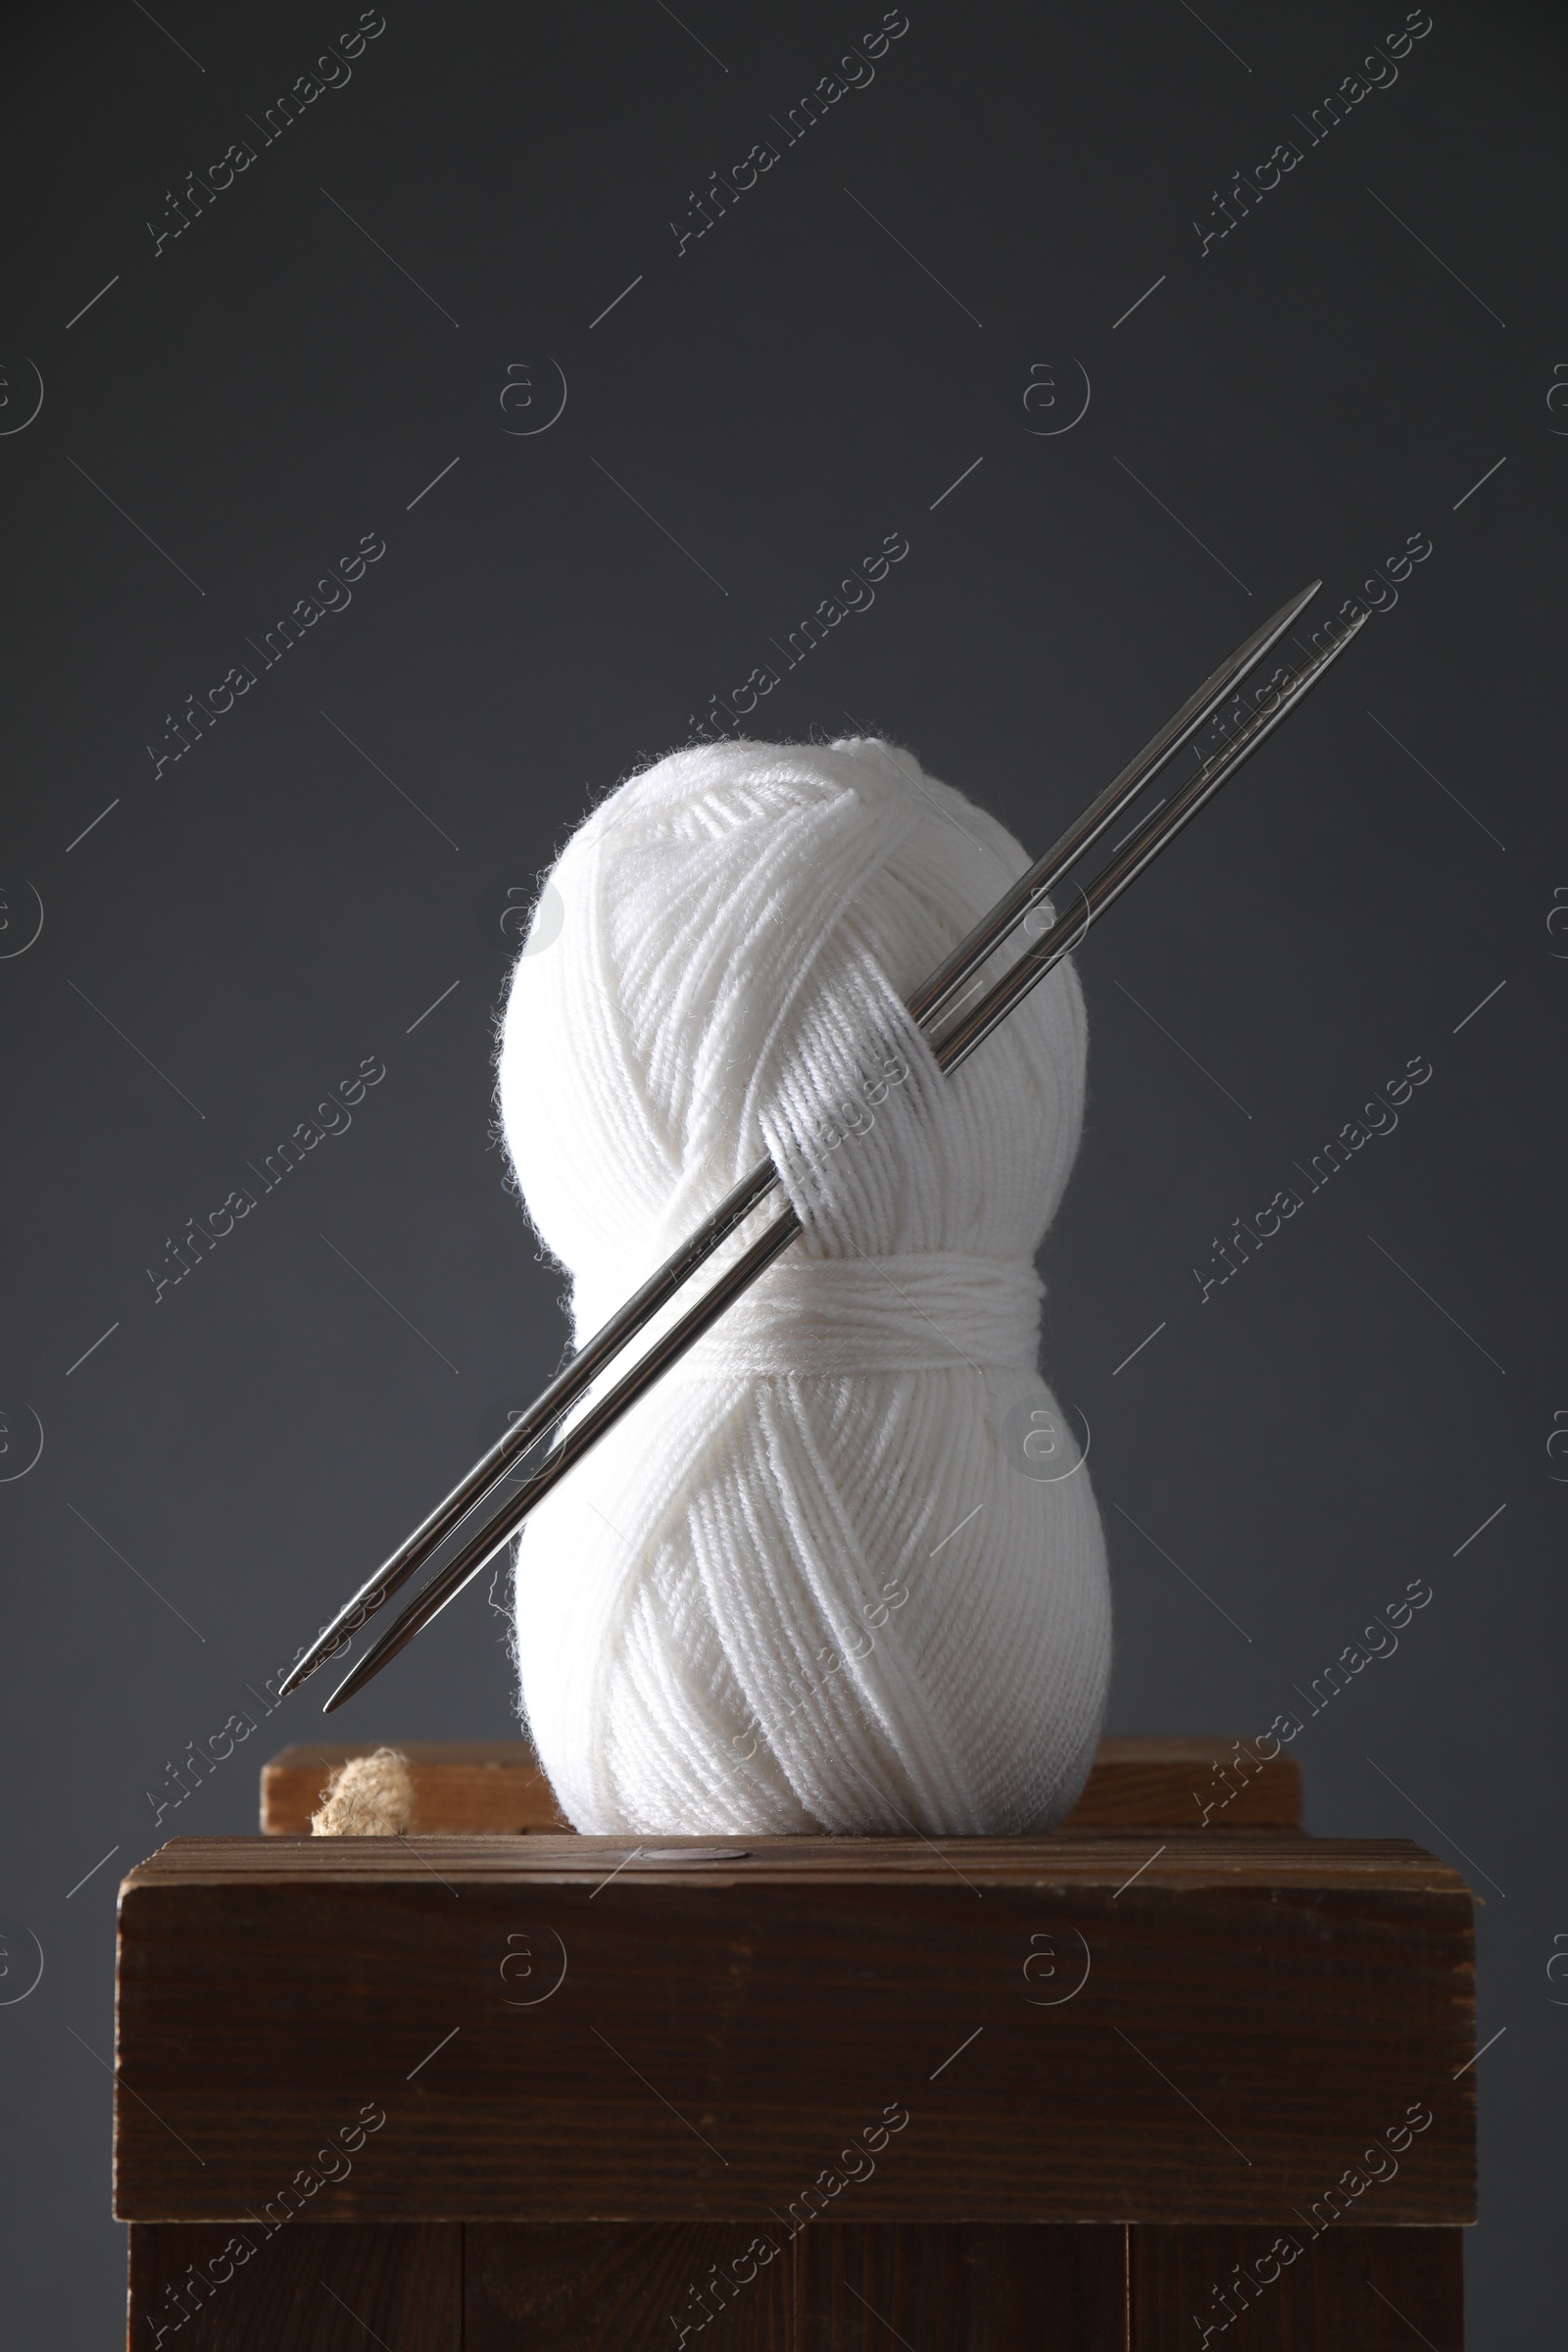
x: 478, y: 1787
x: 303, y: 2289
x: 1077, y: 2028
x: 1349, y: 2289
x: 618, y: 2288
x: 972, y: 2286
x: 502, y: 2286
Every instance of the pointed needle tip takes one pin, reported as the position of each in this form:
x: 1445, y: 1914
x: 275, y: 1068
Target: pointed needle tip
x: 356, y: 1676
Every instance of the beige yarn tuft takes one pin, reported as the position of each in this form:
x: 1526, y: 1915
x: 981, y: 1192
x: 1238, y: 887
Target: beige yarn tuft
x: 368, y: 1796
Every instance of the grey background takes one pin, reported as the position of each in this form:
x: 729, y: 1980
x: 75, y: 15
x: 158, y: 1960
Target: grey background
x: 1320, y: 384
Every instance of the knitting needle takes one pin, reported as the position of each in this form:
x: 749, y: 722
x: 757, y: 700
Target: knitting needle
x: 954, y: 1047
x: 928, y: 1001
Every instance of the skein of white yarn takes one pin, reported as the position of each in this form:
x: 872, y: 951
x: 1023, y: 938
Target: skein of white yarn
x: 815, y: 1580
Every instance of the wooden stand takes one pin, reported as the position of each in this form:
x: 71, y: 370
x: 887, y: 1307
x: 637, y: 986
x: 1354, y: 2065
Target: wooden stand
x: 1134, y: 2085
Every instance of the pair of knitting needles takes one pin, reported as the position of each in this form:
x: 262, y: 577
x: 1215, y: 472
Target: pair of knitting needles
x: 937, y: 996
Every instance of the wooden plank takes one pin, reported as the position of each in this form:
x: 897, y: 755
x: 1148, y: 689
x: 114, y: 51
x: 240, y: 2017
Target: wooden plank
x: 312, y: 2289
x: 467, y: 1788
x: 602, y: 2286
x: 557, y: 2028
x: 1359, y: 2289
x: 1166, y: 1784
x: 472, y: 1787
x: 748, y: 2287
x: 968, y: 2286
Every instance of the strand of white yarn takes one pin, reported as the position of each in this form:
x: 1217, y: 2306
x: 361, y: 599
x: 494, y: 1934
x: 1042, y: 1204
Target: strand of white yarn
x: 815, y: 1580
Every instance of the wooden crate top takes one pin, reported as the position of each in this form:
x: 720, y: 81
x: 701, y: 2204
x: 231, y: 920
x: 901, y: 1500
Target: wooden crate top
x: 1084, y: 2028
x: 1066, y: 1859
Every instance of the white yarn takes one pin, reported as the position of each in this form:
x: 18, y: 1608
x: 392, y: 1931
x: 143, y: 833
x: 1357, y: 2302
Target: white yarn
x: 748, y: 1610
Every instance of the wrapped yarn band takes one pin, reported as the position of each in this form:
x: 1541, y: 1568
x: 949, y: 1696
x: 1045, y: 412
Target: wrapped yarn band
x: 928, y: 1310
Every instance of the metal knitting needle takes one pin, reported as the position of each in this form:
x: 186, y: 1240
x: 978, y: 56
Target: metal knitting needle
x: 952, y: 1051
x: 927, y: 1004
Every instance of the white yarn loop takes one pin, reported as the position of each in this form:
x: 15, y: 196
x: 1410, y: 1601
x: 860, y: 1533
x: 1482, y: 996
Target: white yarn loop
x: 812, y: 1581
